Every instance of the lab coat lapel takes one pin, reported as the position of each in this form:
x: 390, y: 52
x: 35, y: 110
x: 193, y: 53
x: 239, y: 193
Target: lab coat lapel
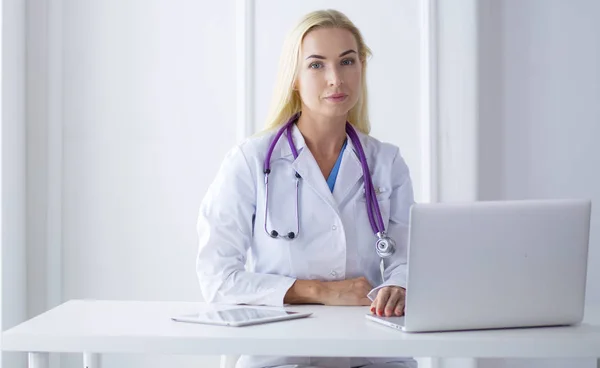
x: 348, y: 176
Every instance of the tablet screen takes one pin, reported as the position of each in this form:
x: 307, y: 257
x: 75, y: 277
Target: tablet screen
x: 242, y: 314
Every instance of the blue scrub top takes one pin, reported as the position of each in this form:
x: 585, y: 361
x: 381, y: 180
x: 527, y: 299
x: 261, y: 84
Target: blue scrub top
x: 336, y: 168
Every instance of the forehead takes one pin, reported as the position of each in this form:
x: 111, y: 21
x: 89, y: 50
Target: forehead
x: 328, y: 42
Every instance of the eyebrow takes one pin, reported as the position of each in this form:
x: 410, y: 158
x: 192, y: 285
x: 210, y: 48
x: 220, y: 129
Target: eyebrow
x: 323, y: 57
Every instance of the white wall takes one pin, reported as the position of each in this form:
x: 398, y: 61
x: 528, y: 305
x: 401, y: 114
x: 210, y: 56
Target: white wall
x: 540, y: 113
x: 148, y: 91
x: 12, y: 174
x: 455, y: 91
x: 1, y: 184
x: 37, y: 171
x: 147, y: 118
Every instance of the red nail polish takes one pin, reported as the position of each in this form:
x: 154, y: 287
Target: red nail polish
x: 372, y: 309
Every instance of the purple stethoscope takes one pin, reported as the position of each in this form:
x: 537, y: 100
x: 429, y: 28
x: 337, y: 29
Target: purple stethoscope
x: 384, y: 245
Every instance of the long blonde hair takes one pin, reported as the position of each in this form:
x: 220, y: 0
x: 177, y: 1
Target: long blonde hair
x: 285, y: 101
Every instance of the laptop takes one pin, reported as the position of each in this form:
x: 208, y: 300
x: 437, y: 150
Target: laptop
x: 495, y: 264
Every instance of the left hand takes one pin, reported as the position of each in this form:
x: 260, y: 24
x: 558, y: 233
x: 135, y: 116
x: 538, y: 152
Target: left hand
x: 389, y: 302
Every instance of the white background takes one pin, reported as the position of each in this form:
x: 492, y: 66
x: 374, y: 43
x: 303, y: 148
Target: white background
x: 115, y: 115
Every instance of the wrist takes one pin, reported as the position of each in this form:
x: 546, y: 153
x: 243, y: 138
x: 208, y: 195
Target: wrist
x: 306, y: 292
x: 327, y: 292
x: 322, y: 292
x: 313, y: 291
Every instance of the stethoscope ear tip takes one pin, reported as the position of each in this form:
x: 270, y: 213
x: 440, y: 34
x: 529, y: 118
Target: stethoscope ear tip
x: 291, y: 235
x: 274, y: 234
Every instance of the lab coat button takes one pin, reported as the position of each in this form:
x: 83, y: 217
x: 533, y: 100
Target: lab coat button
x: 332, y: 273
x: 333, y: 227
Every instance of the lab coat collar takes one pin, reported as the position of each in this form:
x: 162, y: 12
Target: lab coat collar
x: 349, y: 174
x: 286, y: 151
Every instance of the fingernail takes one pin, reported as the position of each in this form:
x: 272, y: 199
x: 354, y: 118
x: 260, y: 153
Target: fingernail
x: 380, y: 312
x: 372, y: 309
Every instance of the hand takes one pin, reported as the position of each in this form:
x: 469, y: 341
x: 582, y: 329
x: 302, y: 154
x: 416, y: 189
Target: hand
x: 389, y: 302
x: 347, y: 292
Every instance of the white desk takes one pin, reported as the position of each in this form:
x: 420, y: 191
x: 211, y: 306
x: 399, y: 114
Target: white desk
x: 145, y: 327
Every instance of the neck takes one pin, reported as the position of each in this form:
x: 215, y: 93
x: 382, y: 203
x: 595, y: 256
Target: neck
x: 324, y: 136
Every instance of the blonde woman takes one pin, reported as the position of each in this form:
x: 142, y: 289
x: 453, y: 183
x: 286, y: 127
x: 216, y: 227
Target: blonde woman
x: 314, y: 201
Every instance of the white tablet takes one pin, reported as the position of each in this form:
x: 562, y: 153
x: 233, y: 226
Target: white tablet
x: 242, y: 316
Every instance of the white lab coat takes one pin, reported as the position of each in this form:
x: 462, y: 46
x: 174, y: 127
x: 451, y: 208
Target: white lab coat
x: 238, y: 263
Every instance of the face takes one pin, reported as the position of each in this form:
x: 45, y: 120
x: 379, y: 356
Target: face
x: 329, y: 76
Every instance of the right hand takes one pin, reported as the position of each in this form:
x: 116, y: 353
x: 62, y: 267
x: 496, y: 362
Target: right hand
x: 347, y: 292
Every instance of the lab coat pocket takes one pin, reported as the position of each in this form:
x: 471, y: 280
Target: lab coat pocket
x: 383, y: 194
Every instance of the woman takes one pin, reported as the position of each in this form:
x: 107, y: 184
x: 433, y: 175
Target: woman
x: 312, y: 241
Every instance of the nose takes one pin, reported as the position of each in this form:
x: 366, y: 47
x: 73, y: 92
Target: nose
x: 334, y: 77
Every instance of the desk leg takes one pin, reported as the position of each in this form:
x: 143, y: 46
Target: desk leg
x: 91, y: 360
x: 39, y: 360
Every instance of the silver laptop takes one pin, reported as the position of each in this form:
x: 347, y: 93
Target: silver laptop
x: 503, y: 264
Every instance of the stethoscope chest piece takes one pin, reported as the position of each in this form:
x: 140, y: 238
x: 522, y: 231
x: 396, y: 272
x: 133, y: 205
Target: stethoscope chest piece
x: 385, y: 245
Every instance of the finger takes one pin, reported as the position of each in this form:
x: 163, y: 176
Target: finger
x: 400, y: 310
x: 401, y: 304
x: 392, y: 303
x: 374, y: 306
x: 382, y: 297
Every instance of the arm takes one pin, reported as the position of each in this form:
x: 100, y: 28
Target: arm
x: 401, y: 199
x: 225, y: 234
x: 305, y: 292
x: 343, y: 292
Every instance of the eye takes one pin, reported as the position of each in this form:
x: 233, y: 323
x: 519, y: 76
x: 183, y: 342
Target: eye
x: 315, y: 65
x: 348, y: 61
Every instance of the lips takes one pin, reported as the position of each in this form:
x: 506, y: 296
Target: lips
x: 336, y: 97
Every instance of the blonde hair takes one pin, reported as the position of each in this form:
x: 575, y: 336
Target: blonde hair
x: 285, y: 101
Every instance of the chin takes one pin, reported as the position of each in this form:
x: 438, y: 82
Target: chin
x: 335, y: 112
